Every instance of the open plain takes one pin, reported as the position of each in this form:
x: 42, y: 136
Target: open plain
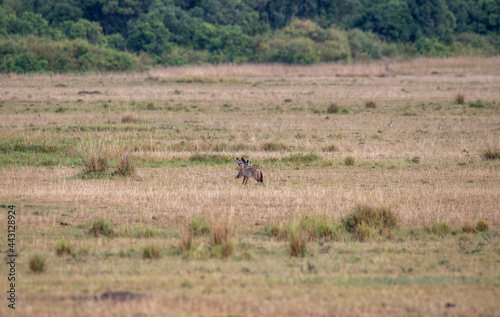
x: 322, y: 137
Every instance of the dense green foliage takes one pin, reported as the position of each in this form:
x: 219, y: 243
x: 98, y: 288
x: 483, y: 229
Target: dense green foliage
x: 70, y: 35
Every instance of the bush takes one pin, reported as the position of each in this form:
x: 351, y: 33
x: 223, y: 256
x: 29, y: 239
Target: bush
x: 366, y: 221
x: 460, y: 99
x: 100, y: 227
x: 37, y: 263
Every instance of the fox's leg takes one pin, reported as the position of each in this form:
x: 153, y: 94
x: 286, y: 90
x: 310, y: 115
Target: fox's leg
x: 244, y: 177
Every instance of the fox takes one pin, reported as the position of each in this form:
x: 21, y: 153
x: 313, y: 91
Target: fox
x: 245, y: 170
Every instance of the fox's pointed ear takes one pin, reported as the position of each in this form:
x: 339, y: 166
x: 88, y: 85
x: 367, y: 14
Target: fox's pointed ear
x: 236, y: 158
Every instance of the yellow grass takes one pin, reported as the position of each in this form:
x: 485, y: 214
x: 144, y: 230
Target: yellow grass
x: 264, y: 113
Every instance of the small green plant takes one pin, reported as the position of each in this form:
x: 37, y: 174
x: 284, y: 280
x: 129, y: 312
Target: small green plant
x: 63, y: 247
x: 151, y: 106
x: 297, y: 239
x: 125, y: 166
x: 460, y: 98
x: 350, y: 161
x: 317, y: 227
x: 332, y: 108
x: 415, y: 160
x: 151, y: 252
x: 371, y: 104
x: 100, y: 227
x: 491, y: 153
x: 37, y: 263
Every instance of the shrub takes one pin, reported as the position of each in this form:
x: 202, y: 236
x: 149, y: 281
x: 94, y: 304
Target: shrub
x: 151, y: 252
x: 100, y: 227
x: 350, y: 160
x: 332, y: 108
x: 370, y: 104
x: 37, y: 263
x: 125, y: 165
x: 366, y: 221
x: 63, y: 247
x: 297, y: 238
x: 460, y: 99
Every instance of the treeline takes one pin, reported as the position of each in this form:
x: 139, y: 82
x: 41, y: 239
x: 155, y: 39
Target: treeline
x: 101, y: 35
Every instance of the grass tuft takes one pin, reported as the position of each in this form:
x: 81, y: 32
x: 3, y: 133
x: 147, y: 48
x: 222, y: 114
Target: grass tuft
x: 151, y: 252
x: 332, y: 108
x: 491, y: 153
x: 37, y: 263
x: 222, y: 245
x: 330, y: 148
x: 273, y: 147
x: 350, y: 160
x: 460, y: 98
x: 481, y: 226
x: 125, y: 166
x: 63, y: 247
x: 198, y: 226
x: 370, y: 104
x: 438, y: 228
x: 130, y: 118
x: 100, y: 227
x: 297, y: 239
x: 276, y: 230
x: 367, y: 221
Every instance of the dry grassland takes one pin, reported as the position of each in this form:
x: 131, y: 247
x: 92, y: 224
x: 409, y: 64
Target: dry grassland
x: 277, y: 117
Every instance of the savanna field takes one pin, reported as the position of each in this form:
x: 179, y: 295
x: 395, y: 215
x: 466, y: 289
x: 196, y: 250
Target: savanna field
x: 127, y: 203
